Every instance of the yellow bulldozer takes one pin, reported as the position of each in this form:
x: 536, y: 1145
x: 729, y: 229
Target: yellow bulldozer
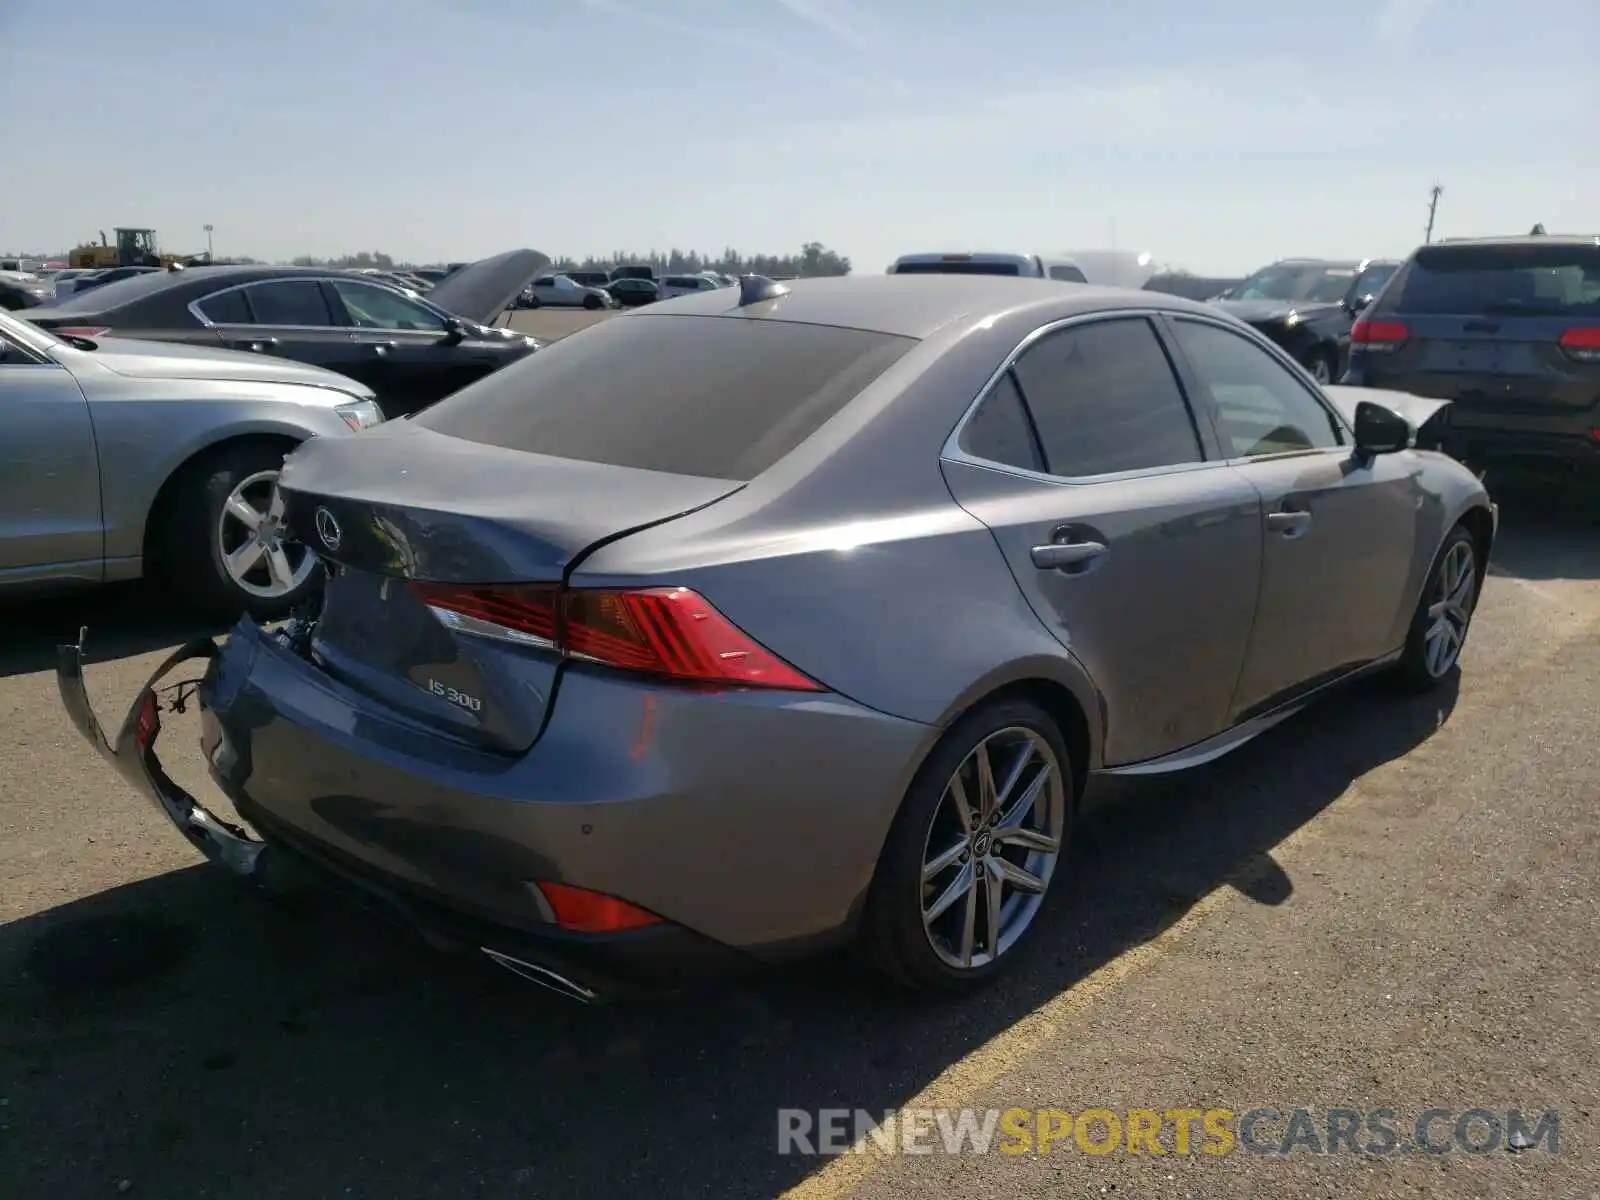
x: 133, y: 248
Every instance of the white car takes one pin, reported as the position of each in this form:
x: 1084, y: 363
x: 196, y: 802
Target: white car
x: 557, y: 291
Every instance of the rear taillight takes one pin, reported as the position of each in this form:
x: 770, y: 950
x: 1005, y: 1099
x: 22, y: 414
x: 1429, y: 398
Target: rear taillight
x: 1378, y: 337
x: 1582, y: 345
x: 87, y: 331
x: 671, y: 633
x: 583, y: 911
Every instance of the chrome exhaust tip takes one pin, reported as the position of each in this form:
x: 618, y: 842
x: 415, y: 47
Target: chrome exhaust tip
x: 543, y: 976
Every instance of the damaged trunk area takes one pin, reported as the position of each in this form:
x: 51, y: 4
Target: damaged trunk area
x: 446, y: 563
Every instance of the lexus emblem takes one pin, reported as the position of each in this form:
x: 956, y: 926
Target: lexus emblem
x: 328, y: 529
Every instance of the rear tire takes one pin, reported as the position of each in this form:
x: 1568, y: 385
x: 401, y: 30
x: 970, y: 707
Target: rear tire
x: 1443, y: 618
x: 199, y: 526
x: 592, y: 302
x: 997, y: 868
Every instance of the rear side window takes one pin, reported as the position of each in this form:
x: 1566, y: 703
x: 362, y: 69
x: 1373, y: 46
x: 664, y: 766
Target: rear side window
x: 718, y: 397
x: 226, y: 308
x: 1104, y: 399
x: 1548, y: 279
x: 1000, y: 431
x: 289, y: 302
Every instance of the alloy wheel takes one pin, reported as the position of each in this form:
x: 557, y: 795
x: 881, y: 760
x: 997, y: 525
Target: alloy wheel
x: 992, y: 847
x: 1454, y: 592
x: 257, y: 552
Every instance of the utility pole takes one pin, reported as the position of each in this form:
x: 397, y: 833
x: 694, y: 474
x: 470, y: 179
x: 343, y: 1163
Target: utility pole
x: 211, y: 246
x: 1433, y: 207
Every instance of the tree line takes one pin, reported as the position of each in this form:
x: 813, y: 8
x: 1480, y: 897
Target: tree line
x: 813, y: 259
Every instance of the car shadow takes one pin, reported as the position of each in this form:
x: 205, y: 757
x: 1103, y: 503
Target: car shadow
x: 123, y: 619
x: 1549, y: 526
x: 191, y: 1038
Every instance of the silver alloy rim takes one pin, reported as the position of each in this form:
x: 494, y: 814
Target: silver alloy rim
x: 1450, y: 609
x: 256, y: 552
x: 1321, y: 371
x: 992, y: 848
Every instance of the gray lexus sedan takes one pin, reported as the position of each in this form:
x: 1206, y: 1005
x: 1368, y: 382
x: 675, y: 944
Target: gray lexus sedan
x: 774, y: 618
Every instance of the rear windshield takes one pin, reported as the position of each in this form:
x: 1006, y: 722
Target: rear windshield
x: 1540, y: 280
x: 718, y: 397
x: 924, y: 267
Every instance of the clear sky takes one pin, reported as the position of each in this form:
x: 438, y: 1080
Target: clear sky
x: 1215, y: 135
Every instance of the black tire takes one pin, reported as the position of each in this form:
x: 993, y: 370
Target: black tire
x: 592, y: 302
x: 1323, y: 365
x: 1413, y: 672
x: 892, y: 939
x: 188, y: 554
x: 533, y: 302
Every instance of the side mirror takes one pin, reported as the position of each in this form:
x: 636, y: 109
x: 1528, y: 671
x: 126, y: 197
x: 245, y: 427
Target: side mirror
x: 1380, y: 430
x: 1357, y: 304
x: 455, y: 331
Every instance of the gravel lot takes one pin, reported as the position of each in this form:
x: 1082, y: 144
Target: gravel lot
x: 1381, y: 903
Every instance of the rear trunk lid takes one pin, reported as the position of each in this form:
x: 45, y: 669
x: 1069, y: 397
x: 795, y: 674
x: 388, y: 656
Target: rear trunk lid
x: 411, y: 505
x: 1482, y: 325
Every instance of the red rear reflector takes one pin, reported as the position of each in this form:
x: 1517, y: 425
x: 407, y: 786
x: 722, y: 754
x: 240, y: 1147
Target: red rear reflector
x: 1582, y: 344
x: 673, y: 633
x: 1378, y: 333
x: 88, y: 331
x: 148, y: 722
x: 583, y: 911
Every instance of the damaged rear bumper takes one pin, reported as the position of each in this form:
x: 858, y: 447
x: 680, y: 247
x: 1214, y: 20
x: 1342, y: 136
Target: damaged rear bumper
x: 583, y: 967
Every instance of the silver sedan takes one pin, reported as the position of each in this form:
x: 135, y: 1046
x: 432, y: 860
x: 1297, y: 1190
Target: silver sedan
x: 122, y: 458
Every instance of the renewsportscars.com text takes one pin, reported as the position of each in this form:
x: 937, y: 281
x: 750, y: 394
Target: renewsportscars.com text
x: 1268, y: 1131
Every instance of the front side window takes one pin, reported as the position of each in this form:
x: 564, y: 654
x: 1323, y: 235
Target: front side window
x: 289, y: 302
x: 378, y: 308
x: 1104, y: 399
x: 1261, y: 407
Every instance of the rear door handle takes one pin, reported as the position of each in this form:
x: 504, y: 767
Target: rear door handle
x: 1290, y: 524
x: 1056, y: 555
x: 382, y: 347
x: 258, y: 345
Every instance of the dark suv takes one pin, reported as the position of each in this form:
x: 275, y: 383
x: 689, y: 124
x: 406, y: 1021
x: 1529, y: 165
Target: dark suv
x: 1508, y: 329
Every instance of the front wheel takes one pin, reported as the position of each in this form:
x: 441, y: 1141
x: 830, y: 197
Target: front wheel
x: 1444, y: 614
x: 592, y: 302
x: 972, y: 854
x: 223, y: 546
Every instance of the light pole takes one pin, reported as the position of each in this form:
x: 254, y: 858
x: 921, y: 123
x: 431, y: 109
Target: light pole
x: 211, y: 249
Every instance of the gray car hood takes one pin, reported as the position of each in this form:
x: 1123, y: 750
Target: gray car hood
x: 1418, y: 410
x: 481, y: 291
x: 1260, y: 312
x: 162, y: 360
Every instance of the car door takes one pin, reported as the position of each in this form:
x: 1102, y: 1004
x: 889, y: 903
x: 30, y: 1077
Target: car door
x: 409, y: 357
x: 286, y: 317
x: 1337, y: 534
x: 50, y: 519
x: 1135, y: 546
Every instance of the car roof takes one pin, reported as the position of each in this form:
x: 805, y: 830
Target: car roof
x: 1523, y: 239
x: 917, y: 306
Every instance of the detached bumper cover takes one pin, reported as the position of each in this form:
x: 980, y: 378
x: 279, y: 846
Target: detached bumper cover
x: 133, y: 755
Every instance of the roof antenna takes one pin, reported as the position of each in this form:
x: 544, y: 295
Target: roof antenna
x: 1538, y: 230
x: 753, y: 289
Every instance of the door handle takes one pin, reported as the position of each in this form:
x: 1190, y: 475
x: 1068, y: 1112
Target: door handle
x: 382, y: 347
x: 258, y: 345
x: 1290, y: 524
x: 1057, y: 555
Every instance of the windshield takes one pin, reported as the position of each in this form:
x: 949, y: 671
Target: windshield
x: 1312, y: 282
x: 968, y: 267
